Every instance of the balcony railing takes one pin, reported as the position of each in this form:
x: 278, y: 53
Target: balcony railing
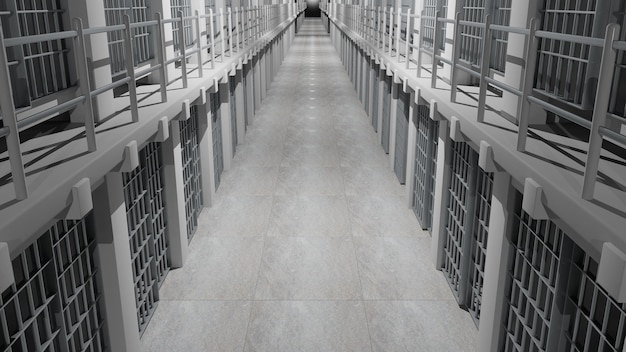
x: 379, y: 29
x: 239, y: 28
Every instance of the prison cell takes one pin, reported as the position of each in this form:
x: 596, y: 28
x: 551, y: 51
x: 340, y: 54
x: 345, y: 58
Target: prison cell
x: 478, y: 249
x: 387, y: 91
x: 183, y: 6
x: 42, y: 68
x: 233, y: 112
x: 563, y: 67
x: 54, y: 304
x: 428, y: 22
x: 553, y: 300
x: 375, y: 89
x: 192, y: 179
x: 137, y: 10
x: 402, y: 136
x: 424, y: 176
x: 216, y: 128
x: 461, y: 199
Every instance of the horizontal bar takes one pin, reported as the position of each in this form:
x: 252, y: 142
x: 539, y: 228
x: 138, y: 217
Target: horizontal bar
x: 518, y: 30
x: 504, y: 86
x: 563, y: 113
x: 443, y: 59
x: 147, y: 70
x: 468, y: 70
x: 620, y: 119
x: 599, y: 42
x: 143, y: 24
x: 4, y: 131
x: 617, y: 137
x: 42, y: 115
x: 96, y: 30
x: 9, y: 42
x: 110, y: 86
x: 619, y: 46
x: 446, y: 20
x: 472, y: 24
x: 5, y: 13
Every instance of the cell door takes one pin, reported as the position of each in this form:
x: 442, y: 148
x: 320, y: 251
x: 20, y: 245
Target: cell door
x: 366, y: 96
x: 424, y: 176
x: 402, y: 136
x: 246, y: 109
x: 216, y: 130
x: 191, y: 170
x: 233, y: 112
x: 386, y: 112
x: 375, y: 90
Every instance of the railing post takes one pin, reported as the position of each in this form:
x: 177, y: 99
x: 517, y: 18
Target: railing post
x: 212, y: 34
x: 420, y: 42
x: 398, y: 33
x: 229, y: 23
x: 130, y: 69
x: 84, y: 84
x: 527, y: 86
x: 382, y: 29
x: 600, y: 110
x: 199, y: 45
x: 182, y: 48
x: 456, y: 53
x: 159, y: 48
x: 436, y: 35
x: 9, y: 119
x: 390, y: 32
x: 407, y: 35
x: 222, y: 33
x: 484, y: 70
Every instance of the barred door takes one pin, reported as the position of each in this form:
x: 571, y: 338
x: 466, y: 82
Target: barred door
x: 428, y: 24
x: 425, y: 166
x: 137, y: 10
x: 402, y: 136
x: 386, y: 111
x: 233, y: 113
x: 191, y: 170
x: 216, y: 128
x: 183, y: 6
x: 42, y: 68
x: 55, y: 302
x: 374, y: 113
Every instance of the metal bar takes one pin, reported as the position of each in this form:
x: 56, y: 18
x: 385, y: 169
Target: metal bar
x: 9, y: 120
x: 619, y: 46
x: 146, y: 71
x: 130, y: 70
x: 527, y: 86
x: 578, y: 39
x: 43, y: 115
x: 408, y: 37
x: 561, y: 112
x: 198, y: 48
x: 607, y: 133
x: 221, y: 23
x: 601, y: 106
x: 484, y: 70
x: 97, y: 30
x: 504, y: 86
x: 436, y: 35
x: 159, y: 47
x: 212, y: 31
x: 85, y: 85
x: 472, y: 24
x: 517, y: 30
x: 109, y: 86
x: 38, y: 38
x: 182, y: 48
x: 420, y: 43
x: 229, y: 23
x: 456, y: 53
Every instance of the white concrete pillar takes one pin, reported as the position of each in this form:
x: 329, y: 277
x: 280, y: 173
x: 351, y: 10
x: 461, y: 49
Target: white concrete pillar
x: 441, y: 194
x: 410, y: 153
x: 175, y: 196
x: 393, y: 119
x: 496, y: 265
x: 205, y: 146
x: 381, y: 92
x: 227, y: 134
x: 256, y: 65
x: 113, y: 254
x: 241, y: 118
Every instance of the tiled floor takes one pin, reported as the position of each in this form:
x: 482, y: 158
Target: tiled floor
x: 310, y: 245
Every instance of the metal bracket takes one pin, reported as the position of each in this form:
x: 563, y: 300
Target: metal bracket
x: 6, y: 268
x: 163, y: 131
x: 434, y: 111
x: 455, y: 130
x: 81, y: 202
x: 130, y: 160
x: 486, y: 161
x: 185, y: 112
x: 202, y: 97
x: 533, y: 201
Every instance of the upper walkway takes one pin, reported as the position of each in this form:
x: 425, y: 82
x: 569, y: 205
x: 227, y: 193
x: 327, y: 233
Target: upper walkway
x: 309, y: 245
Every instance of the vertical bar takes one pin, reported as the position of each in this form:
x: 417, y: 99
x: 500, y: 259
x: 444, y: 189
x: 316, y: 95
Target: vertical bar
x: 420, y: 42
x: 408, y: 33
x: 484, y: 70
x: 600, y: 109
x: 527, y: 86
x: 229, y: 23
x: 221, y: 23
x: 212, y: 32
x: 456, y: 53
x: 159, y: 47
x: 130, y: 69
x: 390, y: 34
x: 183, y: 49
x: 85, y: 86
x: 9, y: 119
x: 436, y: 35
x: 199, y: 45
x: 398, y: 33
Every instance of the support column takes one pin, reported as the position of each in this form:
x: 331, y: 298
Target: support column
x: 393, y: 119
x: 227, y: 134
x: 241, y: 118
x: 381, y: 92
x: 410, y: 152
x: 496, y: 265
x: 257, y: 82
x: 440, y: 203
x: 205, y: 146
x: 175, y: 196
x: 113, y: 254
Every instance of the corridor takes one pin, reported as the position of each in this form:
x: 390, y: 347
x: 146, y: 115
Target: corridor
x: 310, y: 245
